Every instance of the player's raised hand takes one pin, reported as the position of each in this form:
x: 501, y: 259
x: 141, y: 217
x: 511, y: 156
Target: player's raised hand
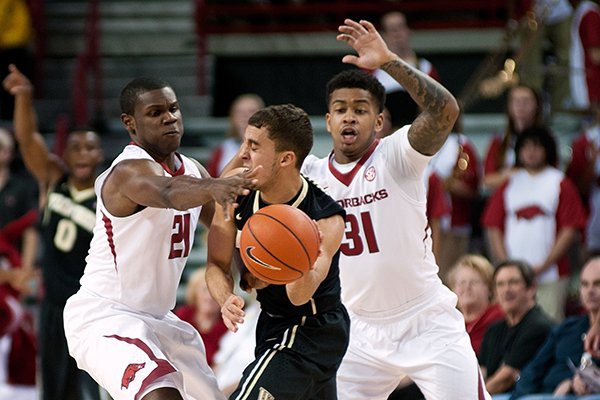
x: 15, y: 82
x: 368, y: 43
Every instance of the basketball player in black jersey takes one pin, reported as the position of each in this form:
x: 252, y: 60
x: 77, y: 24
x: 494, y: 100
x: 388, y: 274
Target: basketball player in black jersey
x: 68, y: 215
x: 302, y: 331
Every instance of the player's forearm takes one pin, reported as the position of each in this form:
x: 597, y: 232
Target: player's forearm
x: 220, y: 284
x: 31, y: 144
x: 185, y: 192
x: 440, y: 109
x: 300, y: 291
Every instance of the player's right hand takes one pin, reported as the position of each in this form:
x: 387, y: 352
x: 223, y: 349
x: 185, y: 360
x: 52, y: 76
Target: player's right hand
x: 15, y: 82
x: 225, y: 190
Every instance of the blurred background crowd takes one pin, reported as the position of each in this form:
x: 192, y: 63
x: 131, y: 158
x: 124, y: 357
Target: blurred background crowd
x: 513, y: 196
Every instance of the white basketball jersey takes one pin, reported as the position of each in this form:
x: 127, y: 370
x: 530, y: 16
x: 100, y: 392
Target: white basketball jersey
x: 138, y: 260
x: 531, y: 204
x: 387, y: 265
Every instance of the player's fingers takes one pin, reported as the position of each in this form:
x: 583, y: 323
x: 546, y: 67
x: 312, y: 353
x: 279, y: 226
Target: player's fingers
x: 351, y: 23
x: 367, y: 25
x: 350, y: 59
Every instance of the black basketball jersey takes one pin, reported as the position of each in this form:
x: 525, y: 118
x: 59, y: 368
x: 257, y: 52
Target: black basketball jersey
x: 317, y: 205
x: 67, y: 225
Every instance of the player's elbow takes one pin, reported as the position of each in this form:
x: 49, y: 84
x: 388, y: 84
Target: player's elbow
x: 452, y: 110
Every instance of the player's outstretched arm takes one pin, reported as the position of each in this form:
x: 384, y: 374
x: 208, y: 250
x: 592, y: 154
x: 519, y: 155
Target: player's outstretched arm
x: 135, y: 183
x: 45, y: 167
x: 331, y: 231
x: 440, y: 110
x: 221, y: 245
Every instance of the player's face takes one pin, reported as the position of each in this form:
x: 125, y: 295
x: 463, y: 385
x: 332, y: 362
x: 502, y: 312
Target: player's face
x: 156, y: 124
x: 470, y: 288
x: 352, y: 122
x: 512, y: 293
x: 257, y: 149
x: 590, y: 287
x: 83, y: 154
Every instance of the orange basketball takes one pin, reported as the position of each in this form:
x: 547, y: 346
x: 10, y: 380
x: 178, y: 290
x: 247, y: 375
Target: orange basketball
x: 279, y: 243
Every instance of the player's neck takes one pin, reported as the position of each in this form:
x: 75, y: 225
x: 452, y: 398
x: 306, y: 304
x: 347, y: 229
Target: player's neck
x: 282, y: 191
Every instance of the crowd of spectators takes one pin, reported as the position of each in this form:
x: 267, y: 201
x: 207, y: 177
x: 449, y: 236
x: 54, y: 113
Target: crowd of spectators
x: 513, y: 295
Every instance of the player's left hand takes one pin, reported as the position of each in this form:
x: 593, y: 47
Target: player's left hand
x: 232, y: 312
x: 368, y: 43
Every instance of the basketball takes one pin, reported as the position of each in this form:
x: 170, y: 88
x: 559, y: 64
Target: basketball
x: 279, y: 244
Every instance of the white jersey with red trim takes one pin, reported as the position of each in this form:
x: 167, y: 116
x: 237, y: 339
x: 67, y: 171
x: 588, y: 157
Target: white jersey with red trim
x: 531, y: 204
x: 387, y: 265
x: 138, y: 260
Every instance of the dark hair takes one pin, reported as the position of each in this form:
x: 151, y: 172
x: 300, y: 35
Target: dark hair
x: 524, y: 268
x: 131, y: 92
x: 541, y: 136
x: 355, y: 78
x: 511, y: 130
x: 288, y: 126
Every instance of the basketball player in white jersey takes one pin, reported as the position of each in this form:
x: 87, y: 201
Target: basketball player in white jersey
x: 119, y: 326
x: 403, y: 319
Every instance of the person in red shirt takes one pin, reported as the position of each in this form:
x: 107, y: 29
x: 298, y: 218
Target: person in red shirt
x: 536, y: 216
x: 523, y: 110
x: 471, y: 278
x: 203, y: 313
x: 585, y: 55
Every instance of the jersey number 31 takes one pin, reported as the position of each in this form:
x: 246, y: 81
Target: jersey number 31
x: 359, y: 229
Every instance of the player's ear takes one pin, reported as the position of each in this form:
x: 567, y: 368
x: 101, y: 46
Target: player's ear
x: 379, y: 122
x: 288, y: 157
x: 128, y: 122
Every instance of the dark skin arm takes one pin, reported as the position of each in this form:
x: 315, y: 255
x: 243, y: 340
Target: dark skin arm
x: 439, y: 108
x: 135, y: 183
x: 43, y: 165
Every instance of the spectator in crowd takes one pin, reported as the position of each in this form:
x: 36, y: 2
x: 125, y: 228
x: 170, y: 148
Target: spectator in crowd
x: 523, y: 110
x: 584, y: 170
x: 509, y: 344
x: 240, y: 111
x: 457, y: 164
x: 65, y: 184
x: 396, y: 34
x: 549, y: 372
x: 203, y: 313
x: 585, y: 54
x: 438, y: 210
x: 18, y: 249
x: 18, y: 234
x: 536, y: 216
x: 545, y: 21
x: 16, y: 35
x: 471, y: 279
